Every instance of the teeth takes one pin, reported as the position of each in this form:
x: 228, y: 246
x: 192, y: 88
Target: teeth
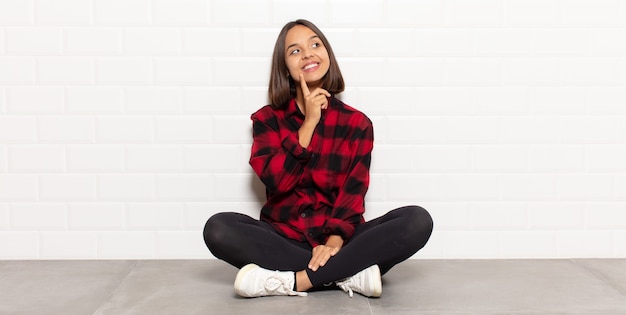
x: 309, y: 66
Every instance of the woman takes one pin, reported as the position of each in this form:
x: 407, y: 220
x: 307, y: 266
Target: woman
x: 313, y: 154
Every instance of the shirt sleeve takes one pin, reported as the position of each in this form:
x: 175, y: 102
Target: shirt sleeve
x: 279, y: 162
x: 349, y: 205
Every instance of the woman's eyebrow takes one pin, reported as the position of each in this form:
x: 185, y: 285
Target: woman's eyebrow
x: 295, y: 44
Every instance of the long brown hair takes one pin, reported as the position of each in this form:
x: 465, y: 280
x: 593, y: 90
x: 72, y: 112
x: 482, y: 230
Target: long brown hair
x: 282, y: 86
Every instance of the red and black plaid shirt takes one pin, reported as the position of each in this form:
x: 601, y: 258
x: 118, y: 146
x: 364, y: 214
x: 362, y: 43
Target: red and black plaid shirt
x: 319, y: 191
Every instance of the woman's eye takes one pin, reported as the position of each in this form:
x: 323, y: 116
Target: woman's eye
x: 315, y: 45
x: 295, y: 51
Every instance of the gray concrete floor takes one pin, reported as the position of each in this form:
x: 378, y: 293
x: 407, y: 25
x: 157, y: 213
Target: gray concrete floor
x: 413, y: 287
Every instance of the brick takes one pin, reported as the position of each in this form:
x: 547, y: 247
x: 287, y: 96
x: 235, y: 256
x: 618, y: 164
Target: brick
x: 235, y: 187
x: 93, y: 100
x: 527, y: 244
x: 606, y: 158
x: 560, y: 43
x: 66, y: 129
x: 231, y: 130
x: 93, y: 41
x: 177, y: 12
x: 439, y: 42
x: 183, y: 129
x: 213, y: 157
x: 447, y: 215
x: 498, y: 215
x: 256, y: 13
x: 447, y: 158
x: 64, y: 12
x: 556, y: 215
x: 496, y: 42
x: 529, y: 129
x: 400, y: 72
x: 18, y: 129
x: 620, y: 187
x: 391, y: 42
x: 557, y: 101
x: 65, y: 70
x: 528, y: 187
x: 414, y: 129
x: 154, y: 158
x: 123, y: 70
x: 155, y: 216
x: 531, y: 13
x: 500, y: 100
x: 4, y: 216
x: 123, y: 12
x: 120, y: 129
x: 389, y: 100
x: 69, y: 245
x: 67, y: 187
x: 28, y: 158
x: 230, y: 71
x: 499, y: 158
x: 18, y: 187
x: 469, y: 244
x: 90, y: 216
x: 4, y: 158
x: 126, y: 245
x: 188, y: 187
x: 35, y: 100
x: 17, y: 70
x: 95, y: 158
x: 588, y: 129
x: 441, y: 101
x: 16, y: 12
x: 481, y: 13
x: 472, y: 72
x: 126, y: 187
x: 415, y: 13
x: 602, y: 42
x: 39, y: 215
x: 34, y: 40
x: 196, y: 41
x: 579, y: 13
x: 254, y: 42
x: 371, y: 14
x: 19, y: 245
x: 286, y: 10
x: 556, y: 158
x: 606, y: 100
x: 152, y: 41
x: 186, y: 70
x: 594, y: 72
x: 584, y: 187
x: 470, y: 187
x: 161, y: 100
x: 604, y: 215
x: 393, y: 159
x: 181, y: 244
x: 584, y: 244
x: 213, y: 100
x: 531, y: 72
x: 412, y: 187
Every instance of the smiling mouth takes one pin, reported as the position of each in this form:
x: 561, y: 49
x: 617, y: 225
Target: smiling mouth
x: 310, y: 66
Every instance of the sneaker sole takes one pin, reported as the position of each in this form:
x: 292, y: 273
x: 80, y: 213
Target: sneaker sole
x: 240, y: 275
x: 378, y: 284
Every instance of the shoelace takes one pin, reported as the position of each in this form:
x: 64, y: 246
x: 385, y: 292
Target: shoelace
x: 345, y: 286
x: 275, y: 282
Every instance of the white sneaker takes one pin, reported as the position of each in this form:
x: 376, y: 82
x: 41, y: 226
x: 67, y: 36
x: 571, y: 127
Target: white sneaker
x: 367, y: 282
x: 254, y: 281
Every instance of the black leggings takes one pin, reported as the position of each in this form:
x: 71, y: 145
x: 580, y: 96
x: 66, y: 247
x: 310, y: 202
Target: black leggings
x: 239, y: 239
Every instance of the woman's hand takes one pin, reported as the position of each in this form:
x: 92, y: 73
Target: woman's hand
x: 314, y: 101
x: 323, y: 253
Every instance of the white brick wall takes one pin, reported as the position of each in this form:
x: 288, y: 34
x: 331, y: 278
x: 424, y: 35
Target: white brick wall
x: 124, y: 124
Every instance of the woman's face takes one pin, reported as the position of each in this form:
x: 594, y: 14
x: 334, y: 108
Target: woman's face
x: 305, y: 54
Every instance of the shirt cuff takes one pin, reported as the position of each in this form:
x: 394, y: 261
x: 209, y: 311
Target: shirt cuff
x: 339, y: 227
x: 292, y: 145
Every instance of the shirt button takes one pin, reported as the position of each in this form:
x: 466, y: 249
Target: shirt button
x: 303, y: 215
x: 310, y: 234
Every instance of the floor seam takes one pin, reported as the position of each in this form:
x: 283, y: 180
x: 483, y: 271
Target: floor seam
x: 599, y: 276
x: 122, y: 281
